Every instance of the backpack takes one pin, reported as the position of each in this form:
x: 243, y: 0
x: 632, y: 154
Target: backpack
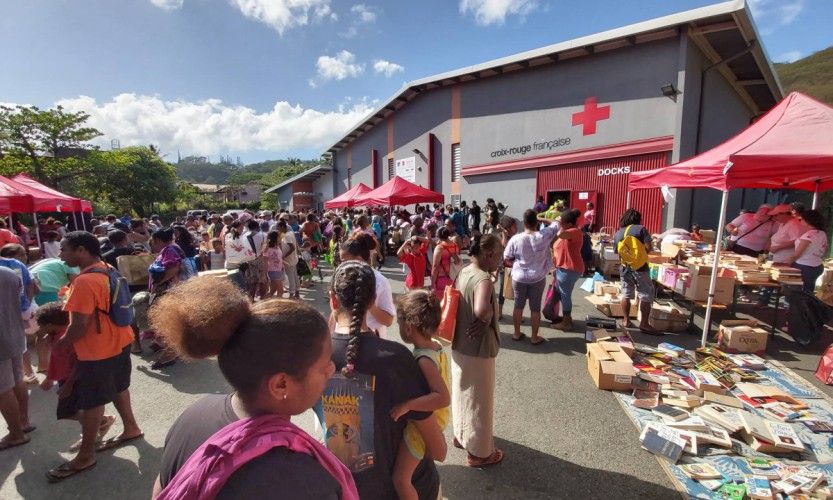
x: 120, y: 309
x: 632, y: 251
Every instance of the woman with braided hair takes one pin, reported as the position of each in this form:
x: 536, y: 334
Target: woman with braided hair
x: 372, y: 377
x: 382, y: 311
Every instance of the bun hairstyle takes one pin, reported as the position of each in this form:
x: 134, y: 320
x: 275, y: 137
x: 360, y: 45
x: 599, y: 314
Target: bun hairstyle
x: 354, y: 285
x: 206, y: 316
x: 443, y: 233
x: 570, y: 217
x: 483, y: 243
x: 419, y: 309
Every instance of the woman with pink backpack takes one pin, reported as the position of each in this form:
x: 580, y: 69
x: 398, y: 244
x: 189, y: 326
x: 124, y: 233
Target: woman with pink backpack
x: 276, y: 355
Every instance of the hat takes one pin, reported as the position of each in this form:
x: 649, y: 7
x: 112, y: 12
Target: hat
x: 780, y: 209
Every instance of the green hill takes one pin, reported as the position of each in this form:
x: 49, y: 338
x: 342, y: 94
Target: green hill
x: 812, y: 75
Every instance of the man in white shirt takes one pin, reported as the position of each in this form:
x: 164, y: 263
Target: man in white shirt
x: 752, y: 235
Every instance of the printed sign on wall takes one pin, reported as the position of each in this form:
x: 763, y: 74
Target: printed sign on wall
x: 406, y: 168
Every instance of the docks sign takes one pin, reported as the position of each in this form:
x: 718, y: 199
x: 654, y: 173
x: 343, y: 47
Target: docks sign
x: 602, y: 172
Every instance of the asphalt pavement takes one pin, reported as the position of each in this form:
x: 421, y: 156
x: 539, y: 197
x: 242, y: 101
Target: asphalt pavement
x: 562, y: 438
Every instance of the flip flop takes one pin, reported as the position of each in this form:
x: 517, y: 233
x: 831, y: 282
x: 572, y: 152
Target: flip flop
x: 5, y: 445
x: 540, y: 340
x: 519, y: 338
x: 30, y: 428
x: 457, y: 444
x: 495, y: 458
x: 655, y: 333
x: 102, y: 432
x: 116, y: 442
x: 64, y: 471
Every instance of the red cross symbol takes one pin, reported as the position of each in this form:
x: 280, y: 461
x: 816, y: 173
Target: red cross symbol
x: 592, y: 113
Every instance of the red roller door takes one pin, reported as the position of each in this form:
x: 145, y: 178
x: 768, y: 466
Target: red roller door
x: 609, y: 178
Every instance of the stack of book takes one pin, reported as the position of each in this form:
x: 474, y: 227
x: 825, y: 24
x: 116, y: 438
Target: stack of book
x: 786, y: 275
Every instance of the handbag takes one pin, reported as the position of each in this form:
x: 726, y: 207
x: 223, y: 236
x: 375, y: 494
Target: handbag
x: 824, y: 371
x: 508, y: 291
x: 552, y: 303
x: 731, y: 244
x: 449, y: 304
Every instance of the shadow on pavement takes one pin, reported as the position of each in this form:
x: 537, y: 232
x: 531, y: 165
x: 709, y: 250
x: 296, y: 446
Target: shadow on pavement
x: 528, y: 473
x: 567, y: 344
x: 190, y: 377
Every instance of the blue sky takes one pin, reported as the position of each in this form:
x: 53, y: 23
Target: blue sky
x: 275, y: 78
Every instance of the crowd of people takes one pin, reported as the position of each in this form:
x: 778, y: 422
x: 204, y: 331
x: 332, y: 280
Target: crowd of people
x: 381, y: 408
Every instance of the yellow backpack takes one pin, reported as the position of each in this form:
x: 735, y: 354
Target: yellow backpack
x: 632, y: 251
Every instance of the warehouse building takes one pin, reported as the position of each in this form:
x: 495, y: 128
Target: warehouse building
x: 574, y: 119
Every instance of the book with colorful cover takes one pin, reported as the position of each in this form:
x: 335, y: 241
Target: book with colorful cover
x: 731, y: 491
x: 758, y: 487
x: 705, y: 381
x: 670, y: 349
x: 784, y: 436
x: 346, y: 409
x: 645, y: 399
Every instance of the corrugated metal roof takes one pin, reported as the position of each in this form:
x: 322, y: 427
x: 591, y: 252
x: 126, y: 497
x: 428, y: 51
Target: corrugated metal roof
x: 722, y: 17
x: 307, y: 175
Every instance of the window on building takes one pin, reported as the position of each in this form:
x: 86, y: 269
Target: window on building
x: 455, y: 200
x: 391, y: 169
x: 456, y: 169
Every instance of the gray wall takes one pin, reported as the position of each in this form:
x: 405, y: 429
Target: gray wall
x: 323, y: 185
x: 536, y: 105
x: 516, y: 189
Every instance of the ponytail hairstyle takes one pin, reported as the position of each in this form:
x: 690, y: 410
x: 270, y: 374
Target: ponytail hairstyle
x: 205, y: 317
x: 483, y: 243
x: 235, y: 229
x: 419, y: 309
x: 354, y: 285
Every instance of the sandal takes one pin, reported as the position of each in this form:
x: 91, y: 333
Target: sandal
x: 495, y: 458
x: 103, y: 429
x: 116, y: 442
x: 64, y: 471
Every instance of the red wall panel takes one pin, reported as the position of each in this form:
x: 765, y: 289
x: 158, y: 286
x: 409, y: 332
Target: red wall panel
x: 612, y: 189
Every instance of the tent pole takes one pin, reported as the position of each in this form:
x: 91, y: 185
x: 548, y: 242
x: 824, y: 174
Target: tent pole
x: 75, y: 220
x: 816, y: 196
x: 37, y: 229
x: 628, y: 200
x: 83, y: 221
x: 713, y: 282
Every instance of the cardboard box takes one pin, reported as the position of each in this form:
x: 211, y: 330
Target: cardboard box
x: 667, y: 317
x: 134, y: 268
x: 708, y: 235
x: 611, y: 309
x: 610, y: 368
x: 669, y: 274
x: 697, y: 288
x: 602, y: 288
x: 742, y: 336
x: 595, y: 326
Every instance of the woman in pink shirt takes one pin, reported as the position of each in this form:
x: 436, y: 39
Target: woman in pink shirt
x: 274, y: 263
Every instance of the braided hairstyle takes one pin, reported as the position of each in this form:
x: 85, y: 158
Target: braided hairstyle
x: 354, y: 285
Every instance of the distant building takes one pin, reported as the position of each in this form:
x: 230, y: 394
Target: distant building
x: 307, y: 190
x: 248, y: 193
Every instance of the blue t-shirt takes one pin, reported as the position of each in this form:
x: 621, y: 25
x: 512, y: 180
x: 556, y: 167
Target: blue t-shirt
x: 25, y: 276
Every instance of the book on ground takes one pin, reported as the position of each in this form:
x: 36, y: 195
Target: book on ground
x: 818, y: 426
x: 705, y: 381
x: 722, y: 416
x: 779, y: 411
x: 715, y: 435
x: 700, y: 471
x: 692, y: 423
x: 663, y: 441
x: 723, y: 399
x: 784, y: 436
x: 758, y: 487
x: 670, y: 413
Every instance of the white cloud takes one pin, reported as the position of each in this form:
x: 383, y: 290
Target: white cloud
x: 789, y: 57
x: 168, y: 4
x: 387, y: 67
x: 283, y: 14
x: 342, y: 66
x: 211, y: 127
x: 488, y: 12
x: 363, y: 13
x: 780, y: 12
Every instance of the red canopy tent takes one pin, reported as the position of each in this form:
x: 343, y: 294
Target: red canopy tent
x: 398, y: 191
x: 348, y: 199
x: 790, y: 147
x: 13, y: 198
x: 59, y: 200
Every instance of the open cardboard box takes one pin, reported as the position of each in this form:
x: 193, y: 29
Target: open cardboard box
x: 134, y: 268
x: 602, y: 288
x: 612, y: 309
x: 667, y: 317
x: 610, y: 367
x: 696, y: 287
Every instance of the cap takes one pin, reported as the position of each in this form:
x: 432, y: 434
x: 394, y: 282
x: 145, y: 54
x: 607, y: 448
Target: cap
x: 780, y: 209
